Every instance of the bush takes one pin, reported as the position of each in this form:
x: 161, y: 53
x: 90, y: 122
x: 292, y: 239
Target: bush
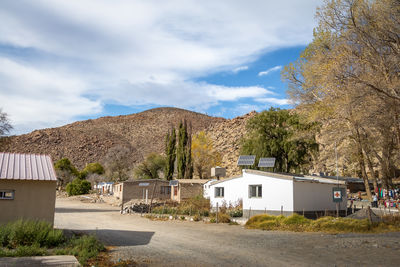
x: 324, y: 224
x: 222, y: 218
x: 28, y: 233
x: 236, y: 213
x: 78, y: 187
x: 37, y: 238
x: 85, y: 247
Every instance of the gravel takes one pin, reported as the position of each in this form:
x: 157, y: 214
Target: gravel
x: 171, y: 243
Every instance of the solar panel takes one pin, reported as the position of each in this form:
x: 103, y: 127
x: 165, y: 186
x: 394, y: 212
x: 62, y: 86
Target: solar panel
x: 246, y: 160
x: 266, y: 162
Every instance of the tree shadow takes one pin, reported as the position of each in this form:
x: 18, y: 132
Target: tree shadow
x: 72, y: 210
x: 117, y: 237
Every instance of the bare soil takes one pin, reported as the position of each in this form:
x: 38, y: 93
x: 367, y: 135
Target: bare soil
x: 172, y: 243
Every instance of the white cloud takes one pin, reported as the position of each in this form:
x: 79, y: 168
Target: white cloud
x: 238, y: 69
x: 273, y: 100
x: 76, y: 56
x: 268, y: 71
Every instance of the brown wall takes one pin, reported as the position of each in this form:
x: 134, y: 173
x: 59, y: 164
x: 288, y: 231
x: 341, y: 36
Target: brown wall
x: 187, y: 190
x: 32, y: 200
x: 132, y: 190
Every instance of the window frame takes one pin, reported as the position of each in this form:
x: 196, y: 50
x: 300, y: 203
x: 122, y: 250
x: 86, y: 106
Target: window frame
x: 3, y: 192
x: 258, y: 190
x: 165, y: 190
x: 219, y: 190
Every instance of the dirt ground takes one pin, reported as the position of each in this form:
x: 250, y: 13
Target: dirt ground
x: 173, y: 243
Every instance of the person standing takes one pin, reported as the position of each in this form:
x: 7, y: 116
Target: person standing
x: 374, y: 201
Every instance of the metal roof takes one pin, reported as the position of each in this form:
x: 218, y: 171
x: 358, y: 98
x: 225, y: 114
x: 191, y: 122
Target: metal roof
x: 26, y: 167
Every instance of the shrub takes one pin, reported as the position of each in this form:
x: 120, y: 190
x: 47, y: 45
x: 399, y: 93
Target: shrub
x: 236, y: 213
x: 85, y: 247
x: 222, y: 218
x: 78, y: 187
x: 197, y: 218
x: 28, y: 233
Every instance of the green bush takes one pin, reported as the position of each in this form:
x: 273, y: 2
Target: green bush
x: 37, y: 238
x: 78, y: 187
x: 84, y: 247
x: 236, y: 213
x: 28, y: 233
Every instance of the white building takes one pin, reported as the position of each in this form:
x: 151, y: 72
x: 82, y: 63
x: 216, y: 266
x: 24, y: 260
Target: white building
x: 104, y: 187
x: 277, y: 193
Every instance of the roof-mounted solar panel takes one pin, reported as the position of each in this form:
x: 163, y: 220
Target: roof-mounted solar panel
x: 246, y: 160
x: 266, y: 162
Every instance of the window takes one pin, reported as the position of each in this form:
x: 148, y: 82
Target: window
x: 165, y: 190
x: 6, y: 194
x: 219, y: 192
x: 255, y: 191
x: 175, y: 190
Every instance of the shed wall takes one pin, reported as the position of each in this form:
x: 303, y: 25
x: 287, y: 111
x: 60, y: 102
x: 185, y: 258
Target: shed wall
x: 32, y: 200
x: 315, y: 197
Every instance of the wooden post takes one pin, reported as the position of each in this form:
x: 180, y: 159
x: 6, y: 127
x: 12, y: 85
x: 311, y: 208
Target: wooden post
x: 216, y: 216
x: 152, y: 195
x: 369, y: 214
x: 303, y: 212
x: 281, y: 209
x: 337, y: 210
x: 249, y: 212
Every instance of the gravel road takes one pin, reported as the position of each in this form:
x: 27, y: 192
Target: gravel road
x: 173, y: 243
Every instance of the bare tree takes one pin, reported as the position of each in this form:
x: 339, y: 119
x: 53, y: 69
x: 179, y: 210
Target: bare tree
x: 117, y: 163
x: 5, y: 125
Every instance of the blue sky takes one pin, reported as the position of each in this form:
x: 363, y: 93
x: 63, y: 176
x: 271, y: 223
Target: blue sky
x: 62, y: 61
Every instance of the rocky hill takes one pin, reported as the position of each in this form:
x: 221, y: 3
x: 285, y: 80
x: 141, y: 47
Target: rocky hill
x: 226, y: 136
x: 88, y: 141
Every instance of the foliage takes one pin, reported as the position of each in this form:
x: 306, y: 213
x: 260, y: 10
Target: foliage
x: 150, y: 167
x: 195, y: 205
x: 183, y: 152
x: 281, y: 134
x: 328, y: 224
x: 117, y: 163
x: 170, y: 152
x: 5, y: 125
x: 78, y: 187
x: 92, y: 168
x: 347, y: 78
x: 65, y: 171
x: 37, y: 238
x: 204, y: 155
x: 28, y: 233
x: 222, y: 218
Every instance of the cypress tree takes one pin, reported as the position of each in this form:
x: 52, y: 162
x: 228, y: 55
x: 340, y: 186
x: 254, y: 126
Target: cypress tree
x: 189, y: 162
x: 170, y: 152
x: 181, y: 150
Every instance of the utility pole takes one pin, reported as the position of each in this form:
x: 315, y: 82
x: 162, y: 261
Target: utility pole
x: 337, y: 180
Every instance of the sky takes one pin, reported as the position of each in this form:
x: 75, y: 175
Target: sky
x: 63, y: 61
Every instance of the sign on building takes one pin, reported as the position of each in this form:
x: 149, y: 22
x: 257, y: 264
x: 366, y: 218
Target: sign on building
x: 144, y: 184
x: 337, y: 194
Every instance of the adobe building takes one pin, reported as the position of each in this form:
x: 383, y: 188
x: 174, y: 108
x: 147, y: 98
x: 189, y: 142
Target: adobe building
x: 142, y: 190
x: 182, y: 189
x: 27, y: 187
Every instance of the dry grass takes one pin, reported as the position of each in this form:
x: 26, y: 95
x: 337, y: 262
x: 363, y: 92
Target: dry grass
x: 326, y: 224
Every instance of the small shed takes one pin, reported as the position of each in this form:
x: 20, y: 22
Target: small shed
x: 182, y: 189
x: 142, y: 190
x: 273, y: 193
x: 27, y: 187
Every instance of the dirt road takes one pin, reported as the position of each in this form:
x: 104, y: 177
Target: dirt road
x: 173, y: 243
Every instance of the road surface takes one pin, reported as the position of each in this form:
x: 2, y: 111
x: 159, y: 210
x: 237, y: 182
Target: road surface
x: 173, y: 243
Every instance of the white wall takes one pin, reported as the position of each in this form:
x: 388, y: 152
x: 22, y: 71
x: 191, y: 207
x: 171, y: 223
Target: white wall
x: 276, y: 192
x: 233, y: 192
x: 315, y: 196
x: 206, y: 189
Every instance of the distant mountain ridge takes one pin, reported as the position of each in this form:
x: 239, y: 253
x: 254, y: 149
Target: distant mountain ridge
x: 89, y: 141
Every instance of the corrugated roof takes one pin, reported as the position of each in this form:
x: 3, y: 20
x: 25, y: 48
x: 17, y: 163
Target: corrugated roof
x: 26, y: 167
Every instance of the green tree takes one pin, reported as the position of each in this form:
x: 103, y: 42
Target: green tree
x: 170, y: 154
x: 281, y: 134
x: 92, y: 168
x: 150, y: 167
x: 78, y: 187
x: 181, y: 149
x: 65, y: 171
